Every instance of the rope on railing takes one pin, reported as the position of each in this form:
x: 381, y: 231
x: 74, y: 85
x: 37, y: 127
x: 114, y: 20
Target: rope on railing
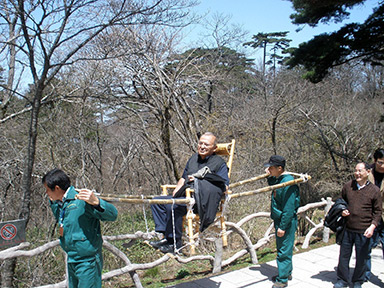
x: 145, y: 216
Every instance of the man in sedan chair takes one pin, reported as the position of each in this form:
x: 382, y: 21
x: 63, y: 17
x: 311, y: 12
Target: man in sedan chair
x: 207, y: 173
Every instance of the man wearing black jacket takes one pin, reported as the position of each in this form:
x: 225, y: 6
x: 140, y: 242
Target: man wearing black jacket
x: 201, y: 165
x: 334, y: 219
x: 376, y: 177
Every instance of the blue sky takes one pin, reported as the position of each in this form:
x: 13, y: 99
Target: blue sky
x: 273, y: 16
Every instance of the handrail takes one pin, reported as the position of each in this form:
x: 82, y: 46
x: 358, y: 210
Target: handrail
x: 131, y: 268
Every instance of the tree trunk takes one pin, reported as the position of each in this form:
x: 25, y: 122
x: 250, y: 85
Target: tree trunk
x: 12, y: 63
x: 8, y: 271
x: 263, y: 75
x: 209, y: 97
x: 30, y: 158
x: 166, y: 141
x: 274, y: 123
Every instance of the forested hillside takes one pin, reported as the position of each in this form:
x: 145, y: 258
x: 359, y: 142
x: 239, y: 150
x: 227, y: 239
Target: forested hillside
x: 116, y: 103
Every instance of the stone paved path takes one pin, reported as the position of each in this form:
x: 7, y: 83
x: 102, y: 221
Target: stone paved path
x: 312, y: 269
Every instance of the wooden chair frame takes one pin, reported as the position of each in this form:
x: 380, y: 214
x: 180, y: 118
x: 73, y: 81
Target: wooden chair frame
x: 192, y: 225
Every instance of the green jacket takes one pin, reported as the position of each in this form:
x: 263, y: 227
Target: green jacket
x: 284, y: 201
x: 81, y: 238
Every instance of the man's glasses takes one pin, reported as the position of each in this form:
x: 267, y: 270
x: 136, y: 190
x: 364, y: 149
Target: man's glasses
x: 204, y: 144
x: 381, y: 163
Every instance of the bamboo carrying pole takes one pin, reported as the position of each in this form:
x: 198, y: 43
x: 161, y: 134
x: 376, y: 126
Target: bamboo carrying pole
x: 138, y: 199
x: 272, y: 187
x: 233, y: 185
x: 148, y: 201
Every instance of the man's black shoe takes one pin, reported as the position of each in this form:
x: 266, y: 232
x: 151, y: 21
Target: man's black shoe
x: 280, y: 285
x: 169, y: 248
x: 159, y: 243
x: 274, y: 278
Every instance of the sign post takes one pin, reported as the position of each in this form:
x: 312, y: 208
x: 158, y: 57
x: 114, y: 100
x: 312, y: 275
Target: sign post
x: 12, y: 233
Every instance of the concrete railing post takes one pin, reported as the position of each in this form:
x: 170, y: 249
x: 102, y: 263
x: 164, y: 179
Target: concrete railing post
x: 326, y: 229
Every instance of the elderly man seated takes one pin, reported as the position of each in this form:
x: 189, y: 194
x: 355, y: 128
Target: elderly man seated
x: 207, y: 174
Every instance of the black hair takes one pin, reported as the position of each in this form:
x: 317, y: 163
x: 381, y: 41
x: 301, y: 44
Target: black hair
x: 379, y: 153
x: 56, y: 177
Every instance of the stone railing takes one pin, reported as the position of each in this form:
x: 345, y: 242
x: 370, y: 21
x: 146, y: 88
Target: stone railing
x: 216, y: 261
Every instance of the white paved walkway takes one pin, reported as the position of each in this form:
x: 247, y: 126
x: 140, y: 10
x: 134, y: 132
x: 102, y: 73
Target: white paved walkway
x: 313, y: 269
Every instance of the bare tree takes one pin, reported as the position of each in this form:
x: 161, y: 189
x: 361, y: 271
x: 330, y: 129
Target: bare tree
x: 150, y: 89
x: 51, y: 34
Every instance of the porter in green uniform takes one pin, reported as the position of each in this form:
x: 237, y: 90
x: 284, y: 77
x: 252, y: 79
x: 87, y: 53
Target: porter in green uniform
x: 284, y: 204
x: 78, y: 216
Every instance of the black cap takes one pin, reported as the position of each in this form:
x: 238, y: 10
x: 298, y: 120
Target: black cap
x: 275, y: 160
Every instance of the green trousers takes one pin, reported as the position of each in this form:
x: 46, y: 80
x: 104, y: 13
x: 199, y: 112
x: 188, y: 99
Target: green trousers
x: 284, y: 246
x: 85, y: 274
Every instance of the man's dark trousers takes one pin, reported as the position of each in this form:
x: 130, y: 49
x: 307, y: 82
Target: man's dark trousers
x: 378, y: 236
x: 362, y: 246
x: 163, y: 218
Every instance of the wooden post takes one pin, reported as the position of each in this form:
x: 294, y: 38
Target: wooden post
x: 223, y: 230
x: 230, y: 160
x: 190, y: 224
x: 164, y: 188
